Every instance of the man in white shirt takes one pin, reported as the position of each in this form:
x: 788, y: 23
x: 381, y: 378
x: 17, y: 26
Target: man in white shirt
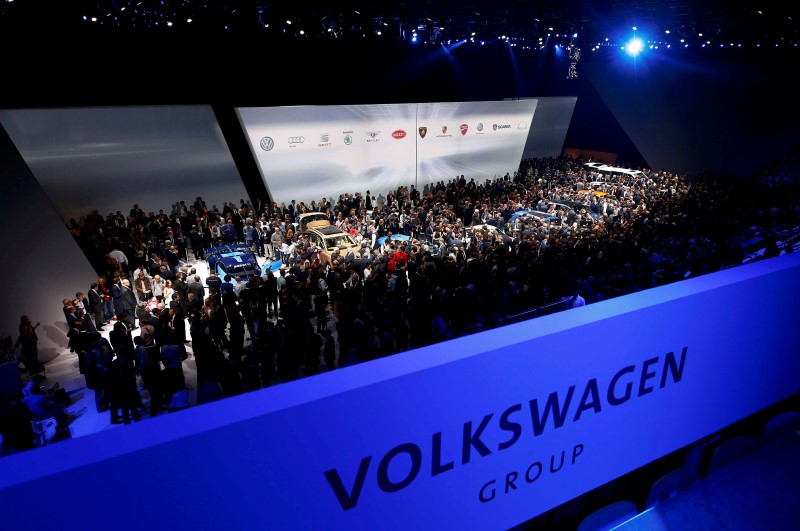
x: 119, y: 256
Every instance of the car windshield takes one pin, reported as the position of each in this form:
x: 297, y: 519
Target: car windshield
x: 342, y: 240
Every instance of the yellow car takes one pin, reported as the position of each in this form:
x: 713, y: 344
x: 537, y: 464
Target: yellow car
x: 326, y: 237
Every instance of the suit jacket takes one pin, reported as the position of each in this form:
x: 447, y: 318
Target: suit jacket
x: 128, y: 299
x: 95, y: 301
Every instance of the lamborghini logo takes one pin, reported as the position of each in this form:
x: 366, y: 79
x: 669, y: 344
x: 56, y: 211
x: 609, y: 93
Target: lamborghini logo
x: 423, y: 131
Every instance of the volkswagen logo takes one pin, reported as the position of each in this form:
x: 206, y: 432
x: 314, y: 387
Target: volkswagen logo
x: 267, y: 143
x: 297, y: 139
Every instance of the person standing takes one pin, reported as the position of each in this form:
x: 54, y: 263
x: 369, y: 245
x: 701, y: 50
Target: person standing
x: 28, y: 340
x: 148, y: 366
x: 97, y: 305
x: 128, y: 298
x: 108, y: 305
x: 276, y: 240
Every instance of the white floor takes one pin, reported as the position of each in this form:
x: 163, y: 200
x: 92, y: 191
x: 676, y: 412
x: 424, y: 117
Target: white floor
x: 85, y: 419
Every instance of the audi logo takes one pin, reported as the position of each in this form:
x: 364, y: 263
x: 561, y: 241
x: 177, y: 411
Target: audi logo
x: 297, y: 139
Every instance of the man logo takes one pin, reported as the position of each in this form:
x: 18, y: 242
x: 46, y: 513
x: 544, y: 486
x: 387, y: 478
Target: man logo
x: 480, y: 126
x: 348, y: 140
x: 423, y: 131
x: 267, y: 143
x: 494, y: 127
x: 522, y: 125
x: 297, y: 139
x: 464, y: 128
x: 399, y: 134
x: 444, y: 129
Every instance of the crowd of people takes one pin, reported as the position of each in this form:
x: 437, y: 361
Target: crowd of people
x: 443, y: 278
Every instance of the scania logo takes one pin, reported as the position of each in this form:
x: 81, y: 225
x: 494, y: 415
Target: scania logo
x: 399, y: 134
x: 501, y: 126
x: 267, y: 143
x: 423, y: 131
x: 464, y: 128
x: 480, y: 126
x: 297, y: 139
x: 494, y: 127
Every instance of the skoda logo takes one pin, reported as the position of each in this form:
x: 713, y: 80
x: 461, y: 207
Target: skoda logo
x: 267, y: 143
x: 297, y: 139
x: 348, y: 140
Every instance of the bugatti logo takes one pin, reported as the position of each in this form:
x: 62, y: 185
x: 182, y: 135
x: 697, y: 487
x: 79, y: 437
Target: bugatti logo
x: 348, y: 140
x: 480, y: 126
x: 297, y: 139
x: 267, y: 143
x: 423, y: 131
x: 494, y: 127
x: 444, y: 129
x: 399, y: 134
x: 464, y: 128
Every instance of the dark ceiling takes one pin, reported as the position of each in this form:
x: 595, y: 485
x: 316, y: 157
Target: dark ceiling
x: 524, y: 22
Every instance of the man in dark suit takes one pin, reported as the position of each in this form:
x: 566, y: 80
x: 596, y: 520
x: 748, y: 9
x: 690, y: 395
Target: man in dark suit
x: 182, y: 288
x: 96, y: 306
x: 129, y: 301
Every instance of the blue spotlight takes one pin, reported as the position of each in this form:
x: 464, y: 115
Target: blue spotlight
x: 634, y: 46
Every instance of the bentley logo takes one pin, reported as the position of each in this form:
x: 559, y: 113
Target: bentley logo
x: 423, y: 131
x: 444, y: 129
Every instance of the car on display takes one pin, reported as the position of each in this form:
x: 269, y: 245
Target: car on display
x: 475, y: 232
x: 326, y: 237
x: 235, y: 260
x: 395, y: 238
x: 534, y: 215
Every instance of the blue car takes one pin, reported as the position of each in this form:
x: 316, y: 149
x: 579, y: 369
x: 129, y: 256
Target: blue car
x: 237, y: 260
x: 395, y: 238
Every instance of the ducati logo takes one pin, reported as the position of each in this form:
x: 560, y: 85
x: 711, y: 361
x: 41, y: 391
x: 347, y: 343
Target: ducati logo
x: 444, y: 129
x: 464, y: 128
x: 423, y: 131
